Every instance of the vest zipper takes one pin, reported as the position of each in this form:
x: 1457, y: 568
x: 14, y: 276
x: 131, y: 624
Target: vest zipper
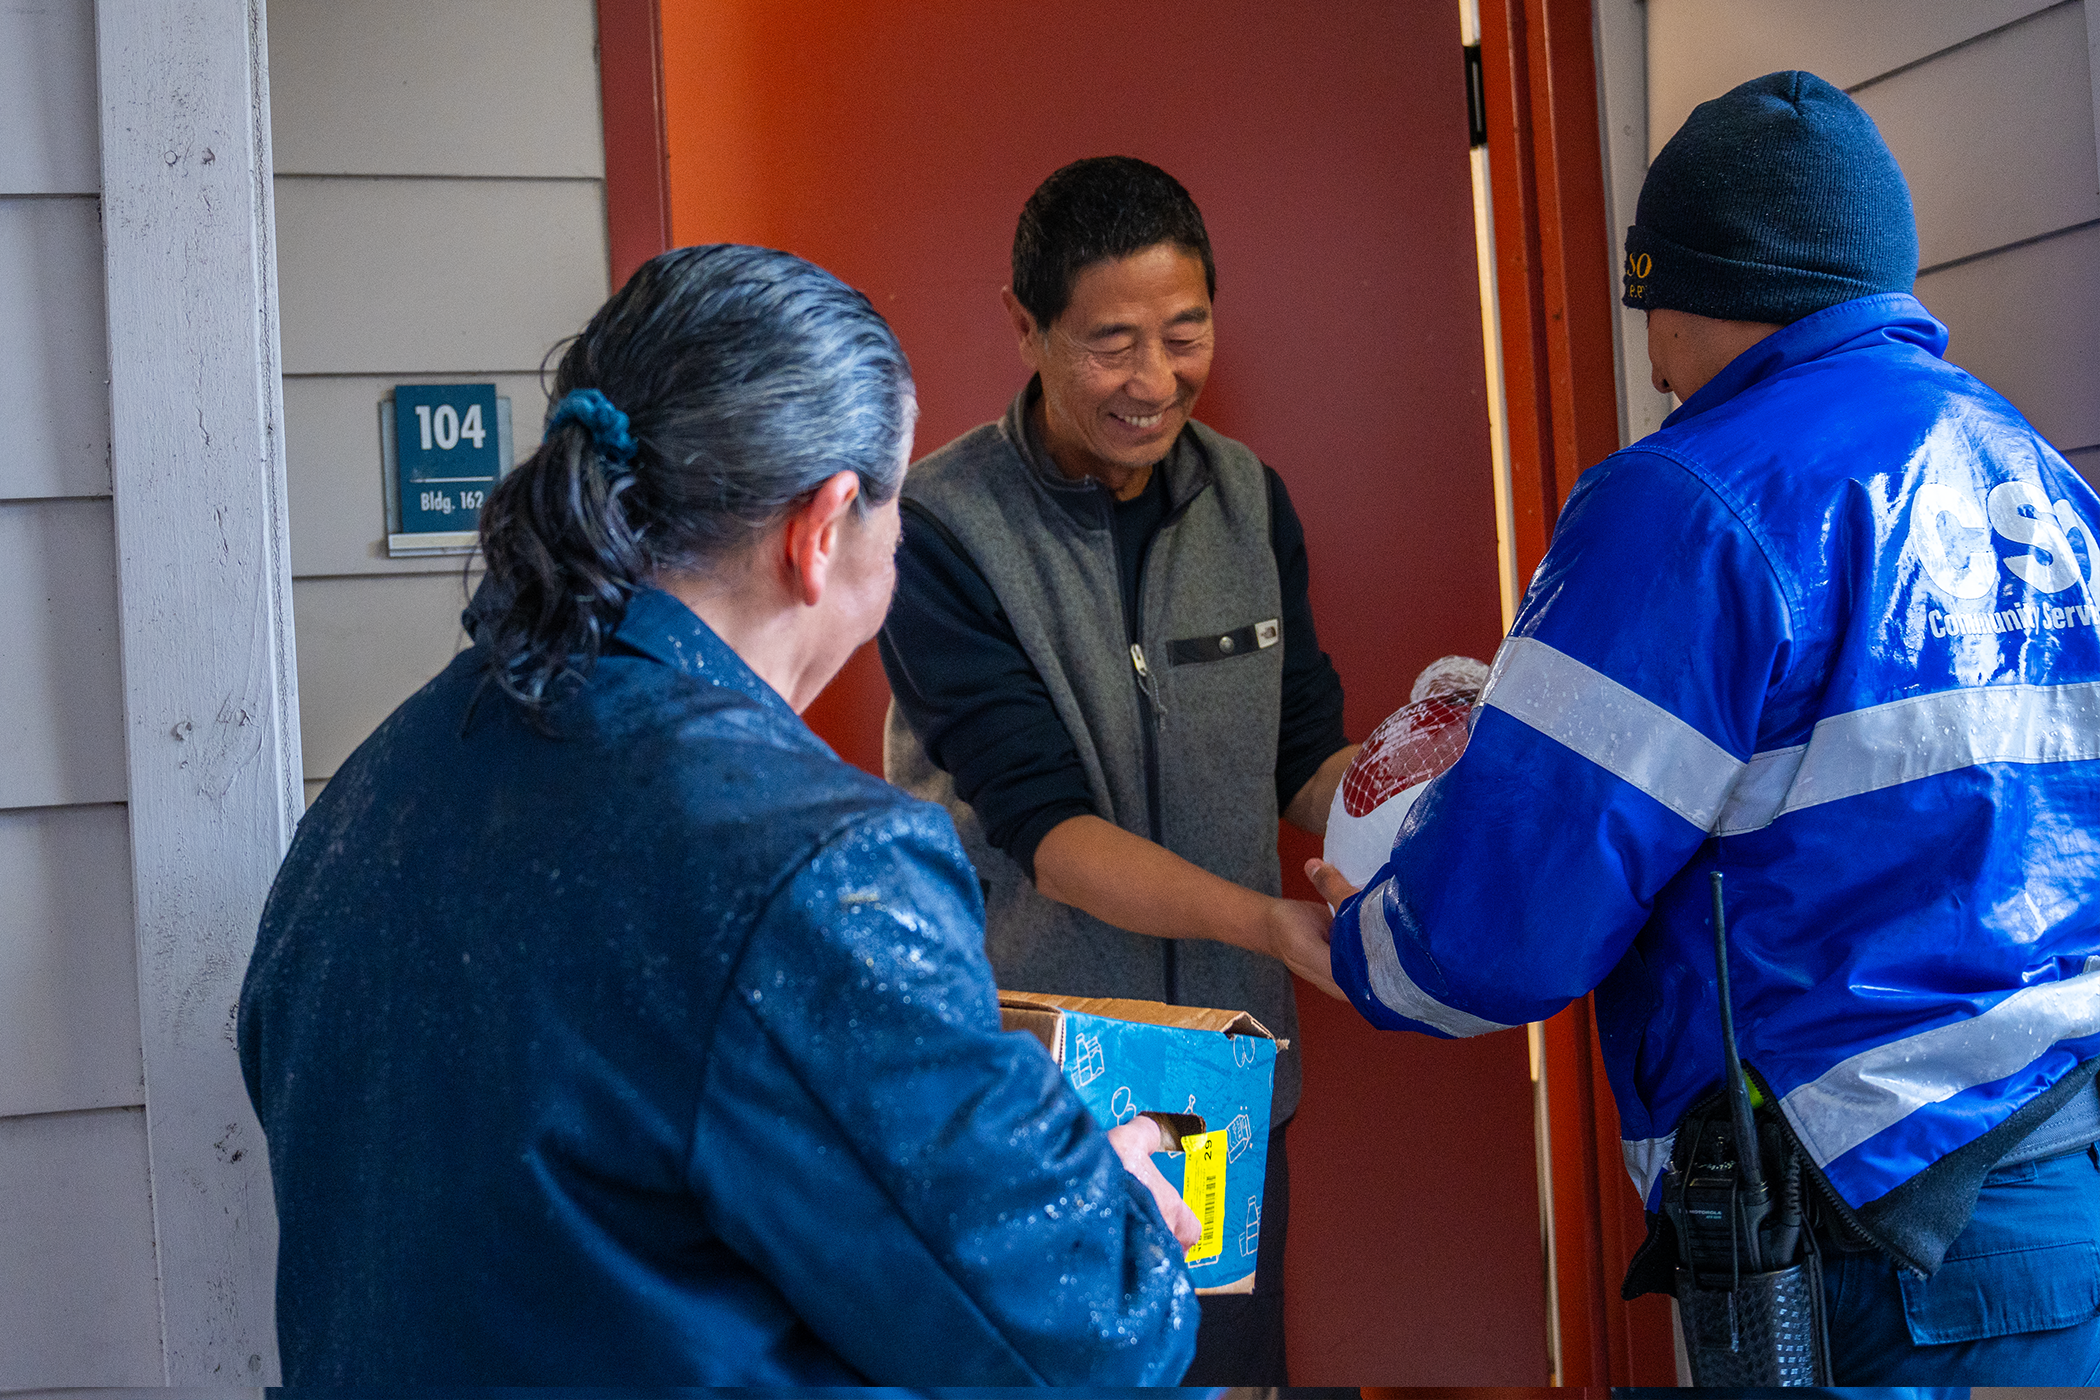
x: 1151, y: 711
x: 1146, y: 685
x: 1150, y: 714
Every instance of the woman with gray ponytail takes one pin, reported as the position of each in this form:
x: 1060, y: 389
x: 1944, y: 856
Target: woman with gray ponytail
x: 605, y: 1027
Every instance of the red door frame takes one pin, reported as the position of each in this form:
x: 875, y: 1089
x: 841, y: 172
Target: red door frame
x: 637, y: 152
x: 1553, y: 269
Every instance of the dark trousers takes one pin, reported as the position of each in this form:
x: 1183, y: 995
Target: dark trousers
x: 1240, y: 1340
x: 2017, y: 1302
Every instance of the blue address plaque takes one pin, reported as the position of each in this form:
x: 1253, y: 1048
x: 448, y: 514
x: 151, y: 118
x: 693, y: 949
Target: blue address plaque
x: 449, y: 444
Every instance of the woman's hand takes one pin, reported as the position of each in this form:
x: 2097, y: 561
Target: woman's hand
x: 1135, y: 1142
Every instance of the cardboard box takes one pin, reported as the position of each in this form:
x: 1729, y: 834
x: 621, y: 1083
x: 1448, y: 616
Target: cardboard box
x: 1206, y: 1074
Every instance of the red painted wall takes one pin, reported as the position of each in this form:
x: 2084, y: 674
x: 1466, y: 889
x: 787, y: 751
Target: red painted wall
x: 1326, y: 145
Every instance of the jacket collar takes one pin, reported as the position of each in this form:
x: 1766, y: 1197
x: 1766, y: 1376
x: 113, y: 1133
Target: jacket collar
x: 1887, y: 318
x: 1186, y: 466
x: 667, y: 631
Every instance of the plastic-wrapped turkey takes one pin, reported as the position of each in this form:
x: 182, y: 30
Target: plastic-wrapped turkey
x: 1415, y: 743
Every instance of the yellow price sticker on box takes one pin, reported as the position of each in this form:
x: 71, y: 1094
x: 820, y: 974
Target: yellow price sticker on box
x: 1203, y: 1187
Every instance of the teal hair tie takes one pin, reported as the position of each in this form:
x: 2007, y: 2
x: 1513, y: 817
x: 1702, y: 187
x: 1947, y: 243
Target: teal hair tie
x: 606, y: 424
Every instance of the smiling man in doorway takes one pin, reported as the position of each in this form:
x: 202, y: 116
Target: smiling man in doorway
x: 1104, y: 663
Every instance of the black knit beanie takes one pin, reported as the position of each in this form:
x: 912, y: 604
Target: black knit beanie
x: 1772, y: 201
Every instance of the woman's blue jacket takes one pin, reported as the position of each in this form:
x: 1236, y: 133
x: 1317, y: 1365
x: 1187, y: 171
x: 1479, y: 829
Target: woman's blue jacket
x: 1831, y: 631
x: 666, y: 1052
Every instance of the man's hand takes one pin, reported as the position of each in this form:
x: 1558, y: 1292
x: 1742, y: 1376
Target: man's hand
x: 1135, y: 1142
x: 1298, y: 934
x: 1123, y: 879
x: 1329, y: 882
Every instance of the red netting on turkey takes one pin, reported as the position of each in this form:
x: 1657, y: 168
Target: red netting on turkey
x: 1420, y: 739
x: 1415, y: 743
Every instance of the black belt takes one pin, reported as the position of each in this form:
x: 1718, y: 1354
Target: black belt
x: 2071, y: 1128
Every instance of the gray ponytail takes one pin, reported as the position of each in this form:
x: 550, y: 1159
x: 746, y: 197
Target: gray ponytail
x: 747, y: 378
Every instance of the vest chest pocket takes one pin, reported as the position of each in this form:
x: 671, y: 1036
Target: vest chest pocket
x: 1224, y: 646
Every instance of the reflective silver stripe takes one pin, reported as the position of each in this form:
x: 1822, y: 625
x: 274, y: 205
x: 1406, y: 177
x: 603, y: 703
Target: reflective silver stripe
x: 1628, y: 736
x: 1920, y: 737
x: 1646, y: 1159
x: 1390, y: 982
x: 1846, y: 755
x: 1761, y: 790
x: 1860, y: 1096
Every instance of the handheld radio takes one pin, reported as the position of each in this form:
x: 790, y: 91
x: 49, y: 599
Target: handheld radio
x: 1749, y: 1277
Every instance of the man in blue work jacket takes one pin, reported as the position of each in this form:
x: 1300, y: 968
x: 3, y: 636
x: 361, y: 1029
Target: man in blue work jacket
x: 1832, y: 631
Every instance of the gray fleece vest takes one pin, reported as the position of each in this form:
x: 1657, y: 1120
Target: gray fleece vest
x: 1183, y: 753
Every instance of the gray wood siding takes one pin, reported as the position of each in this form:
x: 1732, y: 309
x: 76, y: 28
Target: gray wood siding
x: 1993, y: 137
x: 1990, y: 106
x: 78, y: 1276
x: 471, y: 277
x: 365, y: 645
x: 61, y: 689
x: 407, y: 87
x: 54, y: 348
x: 69, y: 993
x: 48, y: 129
x: 2027, y: 322
x: 147, y: 789
x: 440, y: 217
x: 1699, y: 49
x: 79, y: 1302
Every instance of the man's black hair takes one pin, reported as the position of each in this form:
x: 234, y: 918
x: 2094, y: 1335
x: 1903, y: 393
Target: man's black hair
x: 1094, y: 209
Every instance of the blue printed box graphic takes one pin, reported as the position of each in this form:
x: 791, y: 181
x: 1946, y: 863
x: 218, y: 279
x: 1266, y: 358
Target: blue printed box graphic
x: 1120, y: 1068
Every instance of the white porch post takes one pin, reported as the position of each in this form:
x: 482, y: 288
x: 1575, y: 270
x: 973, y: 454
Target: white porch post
x: 210, y: 692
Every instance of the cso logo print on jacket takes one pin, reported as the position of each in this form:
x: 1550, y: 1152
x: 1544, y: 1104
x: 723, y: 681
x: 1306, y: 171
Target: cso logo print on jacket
x: 1967, y: 544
